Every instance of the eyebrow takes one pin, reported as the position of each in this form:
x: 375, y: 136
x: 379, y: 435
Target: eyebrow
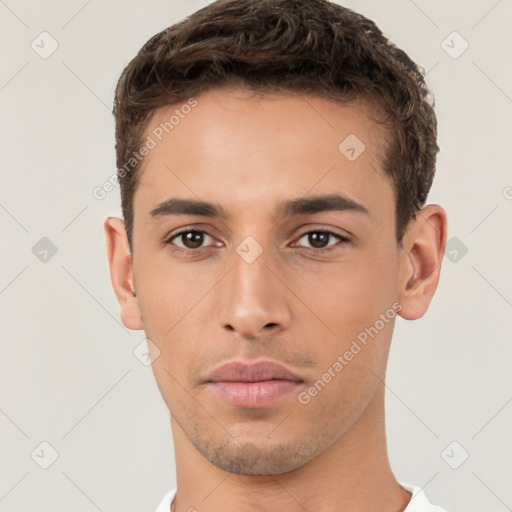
x: 301, y: 206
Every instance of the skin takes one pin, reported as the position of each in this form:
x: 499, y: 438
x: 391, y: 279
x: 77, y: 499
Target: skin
x: 248, y: 154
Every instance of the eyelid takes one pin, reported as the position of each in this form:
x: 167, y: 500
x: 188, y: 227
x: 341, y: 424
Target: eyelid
x: 324, y: 230
x: 342, y: 239
x: 169, y: 239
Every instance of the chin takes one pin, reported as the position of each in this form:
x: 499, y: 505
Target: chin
x: 260, y: 458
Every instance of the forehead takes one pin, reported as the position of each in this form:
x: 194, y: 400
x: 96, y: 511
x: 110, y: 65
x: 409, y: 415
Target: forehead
x: 247, y: 151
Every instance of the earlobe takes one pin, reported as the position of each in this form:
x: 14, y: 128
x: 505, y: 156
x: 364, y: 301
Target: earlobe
x: 420, y: 261
x: 121, y: 272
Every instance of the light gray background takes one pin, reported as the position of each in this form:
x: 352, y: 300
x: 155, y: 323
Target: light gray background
x: 69, y: 375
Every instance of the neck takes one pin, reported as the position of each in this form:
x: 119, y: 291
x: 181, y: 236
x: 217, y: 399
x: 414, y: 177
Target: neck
x: 352, y: 474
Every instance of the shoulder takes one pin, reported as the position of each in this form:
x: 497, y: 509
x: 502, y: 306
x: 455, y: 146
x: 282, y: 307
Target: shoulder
x: 419, y: 501
x: 165, y: 504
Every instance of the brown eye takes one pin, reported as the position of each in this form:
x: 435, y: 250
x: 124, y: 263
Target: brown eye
x: 319, y: 239
x: 191, y: 239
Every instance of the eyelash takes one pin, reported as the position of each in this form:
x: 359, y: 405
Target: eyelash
x: 342, y: 240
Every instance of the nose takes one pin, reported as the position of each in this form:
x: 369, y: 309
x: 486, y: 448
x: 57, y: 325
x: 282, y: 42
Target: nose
x: 254, y: 301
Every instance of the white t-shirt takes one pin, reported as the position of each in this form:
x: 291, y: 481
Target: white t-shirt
x: 419, y: 502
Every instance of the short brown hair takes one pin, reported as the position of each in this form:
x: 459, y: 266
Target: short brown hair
x: 313, y: 47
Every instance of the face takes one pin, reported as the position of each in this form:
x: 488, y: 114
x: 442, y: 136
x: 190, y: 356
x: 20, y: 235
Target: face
x: 299, y: 286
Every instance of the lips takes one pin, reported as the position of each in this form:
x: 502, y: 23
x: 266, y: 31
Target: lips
x: 252, y: 384
x: 238, y: 371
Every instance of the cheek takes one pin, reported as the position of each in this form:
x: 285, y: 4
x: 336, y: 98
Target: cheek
x: 167, y: 291
x: 349, y: 369
x: 343, y: 299
x: 170, y: 321
x: 339, y: 397
x: 369, y: 288
x: 353, y: 319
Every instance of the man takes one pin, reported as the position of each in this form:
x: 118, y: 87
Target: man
x: 274, y: 159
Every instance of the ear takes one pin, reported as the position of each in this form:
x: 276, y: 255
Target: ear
x: 420, y: 261
x: 121, y: 272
